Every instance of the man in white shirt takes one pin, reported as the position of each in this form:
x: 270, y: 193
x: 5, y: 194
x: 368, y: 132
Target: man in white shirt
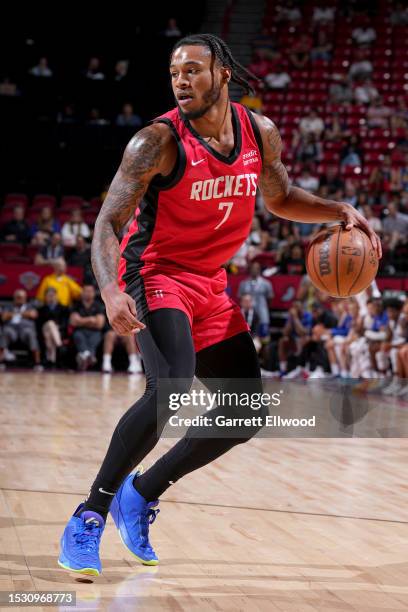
x: 312, y: 124
x: 364, y: 35
x: 277, y: 80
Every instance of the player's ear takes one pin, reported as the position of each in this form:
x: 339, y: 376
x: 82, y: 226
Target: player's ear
x: 225, y: 75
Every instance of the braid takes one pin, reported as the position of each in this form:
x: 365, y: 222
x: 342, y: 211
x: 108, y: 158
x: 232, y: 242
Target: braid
x: 221, y: 52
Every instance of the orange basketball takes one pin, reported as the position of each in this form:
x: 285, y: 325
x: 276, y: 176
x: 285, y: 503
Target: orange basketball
x: 341, y: 263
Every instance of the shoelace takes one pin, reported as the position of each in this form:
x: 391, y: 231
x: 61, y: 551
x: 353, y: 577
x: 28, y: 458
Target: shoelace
x: 147, y: 519
x: 88, y: 537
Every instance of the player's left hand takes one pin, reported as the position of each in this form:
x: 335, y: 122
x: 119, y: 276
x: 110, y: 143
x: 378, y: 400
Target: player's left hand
x: 353, y: 218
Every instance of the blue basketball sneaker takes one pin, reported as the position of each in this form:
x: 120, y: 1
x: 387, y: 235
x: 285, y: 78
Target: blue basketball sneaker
x: 80, y: 543
x: 133, y: 515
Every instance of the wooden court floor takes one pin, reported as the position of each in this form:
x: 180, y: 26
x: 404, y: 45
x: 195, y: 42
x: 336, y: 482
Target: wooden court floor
x: 295, y: 525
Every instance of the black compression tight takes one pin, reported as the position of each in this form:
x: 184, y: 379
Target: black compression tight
x: 167, y: 349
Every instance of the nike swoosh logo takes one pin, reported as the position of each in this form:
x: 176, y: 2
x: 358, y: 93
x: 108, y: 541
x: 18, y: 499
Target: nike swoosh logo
x: 195, y: 163
x: 107, y: 492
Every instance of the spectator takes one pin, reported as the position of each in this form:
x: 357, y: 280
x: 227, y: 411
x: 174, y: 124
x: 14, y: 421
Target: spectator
x: 399, y: 15
x: 172, y: 30
x: 295, y: 263
x: 289, y: 12
x: 322, y: 49
x: 112, y: 338
x: 18, y: 229
x: 309, y: 149
x: 399, y: 181
x: 373, y: 221
x: 50, y: 252
x: 94, y: 72
x: 19, y: 324
x: 80, y: 256
x: 88, y: 319
x: 378, y: 114
x: 340, y: 91
x: 44, y: 227
x: 364, y: 34
x: 307, y: 181
x: 395, y: 225
x: 352, y: 153
x: 95, y: 118
x: 312, y: 124
x: 41, y: 69
x: 76, y: 226
x: 323, y: 14
x: 67, y: 289
x: 332, y: 180
x: 52, y: 324
x: 350, y: 195
x: 361, y: 67
x: 366, y: 93
x: 67, y: 115
x: 278, y: 80
x: 128, y: 118
x: 261, y: 291
x: 336, y: 128
x: 299, y: 54
x: 381, y: 177
x: 295, y: 333
x: 8, y: 87
x: 264, y: 45
x: 253, y: 102
x: 121, y: 70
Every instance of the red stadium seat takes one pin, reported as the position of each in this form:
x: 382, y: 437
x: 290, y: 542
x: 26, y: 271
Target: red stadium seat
x: 9, y: 251
x: 11, y: 199
x: 71, y: 202
x: 41, y: 200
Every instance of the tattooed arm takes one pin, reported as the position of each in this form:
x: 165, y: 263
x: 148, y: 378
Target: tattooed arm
x: 151, y: 151
x: 294, y: 203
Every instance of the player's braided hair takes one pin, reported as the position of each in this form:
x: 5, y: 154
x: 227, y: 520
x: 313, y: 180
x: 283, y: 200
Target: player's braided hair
x: 221, y: 52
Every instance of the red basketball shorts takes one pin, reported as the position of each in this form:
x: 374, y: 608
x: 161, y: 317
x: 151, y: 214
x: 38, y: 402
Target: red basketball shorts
x: 212, y: 314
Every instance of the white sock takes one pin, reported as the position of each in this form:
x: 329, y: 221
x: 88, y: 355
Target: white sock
x: 133, y: 359
x: 107, y: 361
x: 335, y: 369
x: 283, y: 366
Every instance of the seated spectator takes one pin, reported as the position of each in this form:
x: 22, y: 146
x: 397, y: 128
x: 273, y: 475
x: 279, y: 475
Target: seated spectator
x: 80, y: 256
x: 336, y: 128
x: 278, y: 80
x: 67, y: 289
x: 261, y: 291
x: 350, y: 194
x: 399, y: 15
x: 172, y: 30
x: 121, y: 70
x: 307, y: 181
x: 253, y: 102
x: 299, y: 54
x: 289, y: 12
x: 19, y: 324
x: 128, y: 118
x: 373, y: 221
x: 309, y: 149
x: 295, y: 262
x: 18, y: 229
x: 361, y: 68
x: 52, y: 324
x: 399, y: 177
x: 294, y: 335
x: 76, y: 226
x: 67, y: 115
x: 88, y: 319
x: 305, y: 230
x: 395, y: 226
x: 323, y: 14
x: 312, y: 124
x: 264, y: 44
x: 378, y: 114
x: 332, y: 180
x: 322, y: 49
x: 41, y: 69
x: 8, y: 87
x: 364, y: 34
x: 352, y: 153
x: 95, y: 118
x: 340, y: 91
x: 110, y: 340
x: 366, y: 93
x: 380, y: 179
x: 50, y: 252
x: 44, y: 227
x: 94, y: 72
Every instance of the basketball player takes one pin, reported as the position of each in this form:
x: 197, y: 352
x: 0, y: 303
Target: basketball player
x: 190, y: 179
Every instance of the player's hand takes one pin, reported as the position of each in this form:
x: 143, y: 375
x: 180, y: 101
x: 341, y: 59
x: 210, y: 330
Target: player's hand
x: 121, y: 312
x: 353, y: 218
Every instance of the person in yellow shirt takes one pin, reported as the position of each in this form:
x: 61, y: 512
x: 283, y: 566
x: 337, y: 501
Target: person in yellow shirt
x: 67, y: 289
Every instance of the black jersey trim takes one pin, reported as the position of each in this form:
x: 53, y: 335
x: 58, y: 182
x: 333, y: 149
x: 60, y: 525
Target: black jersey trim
x: 256, y: 130
x: 236, y: 125
x: 169, y: 181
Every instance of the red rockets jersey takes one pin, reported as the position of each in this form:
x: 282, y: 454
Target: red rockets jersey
x: 196, y: 218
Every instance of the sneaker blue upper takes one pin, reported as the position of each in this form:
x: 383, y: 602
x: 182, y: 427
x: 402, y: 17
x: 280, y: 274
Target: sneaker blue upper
x: 80, y: 542
x: 133, y: 516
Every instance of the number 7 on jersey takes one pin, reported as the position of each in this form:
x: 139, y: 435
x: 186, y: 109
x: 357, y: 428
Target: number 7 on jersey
x: 222, y: 205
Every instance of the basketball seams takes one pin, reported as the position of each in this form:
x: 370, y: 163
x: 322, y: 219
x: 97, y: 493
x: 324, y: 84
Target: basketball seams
x: 337, y: 259
x: 362, y: 266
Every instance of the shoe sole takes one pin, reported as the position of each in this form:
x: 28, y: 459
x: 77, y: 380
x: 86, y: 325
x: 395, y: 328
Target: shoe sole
x: 88, y: 571
x: 114, y: 511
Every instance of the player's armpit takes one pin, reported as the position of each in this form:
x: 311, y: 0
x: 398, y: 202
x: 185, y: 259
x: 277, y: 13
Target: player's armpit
x: 149, y: 152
